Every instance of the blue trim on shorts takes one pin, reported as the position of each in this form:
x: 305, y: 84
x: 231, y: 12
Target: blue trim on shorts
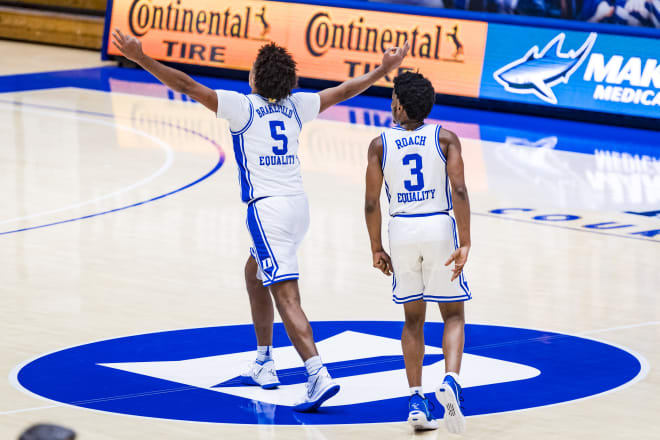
x: 443, y: 299
x: 407, y: 299
x: 461, y: 277
x: 261, y: 245
x: 279, y: 279
x: 425, y: 214
x: 257, y: 199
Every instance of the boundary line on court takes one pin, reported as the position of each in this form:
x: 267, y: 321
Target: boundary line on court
x: 522, y: 220
x: 169, y: 160
x: 219, y: 163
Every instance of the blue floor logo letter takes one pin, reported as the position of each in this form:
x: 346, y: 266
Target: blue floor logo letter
x: 193, y: 374
x: 539, y: 70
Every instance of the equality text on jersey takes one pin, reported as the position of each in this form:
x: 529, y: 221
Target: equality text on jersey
x: 415, y: 196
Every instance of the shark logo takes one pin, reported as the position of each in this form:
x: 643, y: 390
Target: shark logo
x: 539, y: 70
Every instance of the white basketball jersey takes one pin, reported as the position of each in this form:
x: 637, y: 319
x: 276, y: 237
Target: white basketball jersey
x: 415, y: 171
x: 265, y: 137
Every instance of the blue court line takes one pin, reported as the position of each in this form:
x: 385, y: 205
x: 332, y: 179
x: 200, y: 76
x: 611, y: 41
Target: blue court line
x: 535, y: 222
x: 221, y: 161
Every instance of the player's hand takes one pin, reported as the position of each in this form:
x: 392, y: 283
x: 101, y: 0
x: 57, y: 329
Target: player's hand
x: 128, y: 45
x: 459, y: 257
x: 382, y: 262
x: 603, y: 11
x: 393, y: 57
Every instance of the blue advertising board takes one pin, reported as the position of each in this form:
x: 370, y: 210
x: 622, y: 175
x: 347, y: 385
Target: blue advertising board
x: 571, y: 69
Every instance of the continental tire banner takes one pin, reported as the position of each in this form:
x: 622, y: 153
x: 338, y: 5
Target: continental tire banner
x: 328, y: 43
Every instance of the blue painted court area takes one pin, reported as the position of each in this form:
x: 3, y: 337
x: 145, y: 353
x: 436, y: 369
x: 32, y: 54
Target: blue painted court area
x: 133, y: 375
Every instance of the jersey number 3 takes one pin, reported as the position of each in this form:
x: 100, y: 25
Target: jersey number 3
x: 415, y: 171
x: 275, y: 127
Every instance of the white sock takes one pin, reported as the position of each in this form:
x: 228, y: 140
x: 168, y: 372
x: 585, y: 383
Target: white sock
x: 264, y: 353
x: 313, y: 365
x: 453, y: 375
x: 416, y: 390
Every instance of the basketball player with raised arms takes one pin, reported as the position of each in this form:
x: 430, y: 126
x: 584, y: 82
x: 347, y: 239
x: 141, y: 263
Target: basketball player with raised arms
x: 265, y: 127
x: 418, y: 161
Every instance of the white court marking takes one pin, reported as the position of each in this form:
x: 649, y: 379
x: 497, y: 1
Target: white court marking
x: 207, y: 372
x: 644, y: 370
x: 169, y: 160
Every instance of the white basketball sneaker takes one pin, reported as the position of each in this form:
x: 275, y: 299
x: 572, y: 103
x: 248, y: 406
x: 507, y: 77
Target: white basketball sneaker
x: 320, y: 387
x: 449, y: 394
x: 263, y: 375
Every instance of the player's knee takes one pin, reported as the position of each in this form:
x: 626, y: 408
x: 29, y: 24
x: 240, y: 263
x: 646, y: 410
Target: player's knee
x: 452, y: 312
x: 285, y: 301
x: 415, y: 321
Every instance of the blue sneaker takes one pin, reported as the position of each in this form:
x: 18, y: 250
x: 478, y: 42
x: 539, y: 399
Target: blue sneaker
x: 419, y: 414
x: 449, y: 394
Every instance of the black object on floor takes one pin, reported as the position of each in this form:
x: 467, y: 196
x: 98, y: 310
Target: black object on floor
x: 47, y: 432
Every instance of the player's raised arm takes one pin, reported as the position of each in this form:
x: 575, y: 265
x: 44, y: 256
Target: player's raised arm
x: 176, y: 80
x: 392, y: 58
x: 461, y: 200
x: 372, y: 206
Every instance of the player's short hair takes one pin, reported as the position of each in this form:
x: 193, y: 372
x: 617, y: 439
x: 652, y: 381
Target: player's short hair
x: 274, y: 72
x: 415, y: 94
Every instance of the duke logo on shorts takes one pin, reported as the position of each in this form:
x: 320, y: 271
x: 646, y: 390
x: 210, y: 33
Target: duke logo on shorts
x: 265, y: 137
x: 422, y: 233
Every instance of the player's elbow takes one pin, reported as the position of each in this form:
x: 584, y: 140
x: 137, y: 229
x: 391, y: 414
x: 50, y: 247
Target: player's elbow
x: 184, y: 85
x: 460, y: 192
x: 371, y: 206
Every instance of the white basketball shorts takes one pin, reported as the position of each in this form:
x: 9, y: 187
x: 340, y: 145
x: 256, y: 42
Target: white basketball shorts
x: 419, y: 247
x: 277, y: 225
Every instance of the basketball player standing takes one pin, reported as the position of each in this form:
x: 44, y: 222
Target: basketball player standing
x: 418, y: 161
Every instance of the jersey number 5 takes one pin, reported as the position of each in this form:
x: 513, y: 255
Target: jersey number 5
x: 276, y: 135
x: 415, y: 171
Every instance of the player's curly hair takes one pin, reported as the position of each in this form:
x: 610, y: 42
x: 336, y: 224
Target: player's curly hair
x: 274, y: 72
x: 415, y: 94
